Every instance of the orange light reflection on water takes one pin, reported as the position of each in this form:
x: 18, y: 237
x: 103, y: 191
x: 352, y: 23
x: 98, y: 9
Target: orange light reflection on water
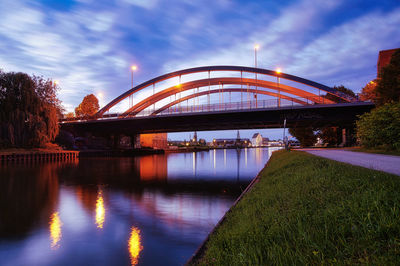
x: 134, y: 245
x: 100, y: 210
x: 55, y: 230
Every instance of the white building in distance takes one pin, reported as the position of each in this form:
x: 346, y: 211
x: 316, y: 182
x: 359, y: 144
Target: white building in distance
x: 257, y: 140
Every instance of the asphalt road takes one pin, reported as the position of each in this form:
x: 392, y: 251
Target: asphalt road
x: 381, y: 162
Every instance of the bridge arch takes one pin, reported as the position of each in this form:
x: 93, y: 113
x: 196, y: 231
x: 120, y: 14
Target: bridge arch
x: 277, y: 87
x: 188, y: 97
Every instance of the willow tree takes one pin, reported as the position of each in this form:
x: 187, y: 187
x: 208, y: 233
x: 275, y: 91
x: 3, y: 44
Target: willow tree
x: 29, y: 110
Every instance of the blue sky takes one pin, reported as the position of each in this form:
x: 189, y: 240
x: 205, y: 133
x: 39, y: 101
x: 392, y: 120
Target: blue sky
x: 89, y: 45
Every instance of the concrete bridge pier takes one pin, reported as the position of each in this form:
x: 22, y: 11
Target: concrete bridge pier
x: 135, y: 141
x: 348, y: 137
x: 115, y: 140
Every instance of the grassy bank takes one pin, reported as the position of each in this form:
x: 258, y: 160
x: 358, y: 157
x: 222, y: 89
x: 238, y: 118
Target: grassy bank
x: 310, y: 210
x: 378, y: 151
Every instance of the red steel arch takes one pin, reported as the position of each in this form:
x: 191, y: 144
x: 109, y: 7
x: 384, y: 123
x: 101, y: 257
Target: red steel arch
x: 216, y: 81
x: 159, y: 110
x: 140, y: 106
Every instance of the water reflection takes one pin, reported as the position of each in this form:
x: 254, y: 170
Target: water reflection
x: 100, y: 210
x: 28, y: 196
x: 173, y: 200
x: 134, y: 245
x: 245, y: 157
x: 55, y: 230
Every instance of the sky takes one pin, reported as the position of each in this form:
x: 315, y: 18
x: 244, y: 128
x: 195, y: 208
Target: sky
x: 88, y: 46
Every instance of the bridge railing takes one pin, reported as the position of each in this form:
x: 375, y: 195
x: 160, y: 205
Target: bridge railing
x: 183, y: 107
x: 254, y: 103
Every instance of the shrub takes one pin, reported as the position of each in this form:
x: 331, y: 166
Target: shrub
x: 380, y: 127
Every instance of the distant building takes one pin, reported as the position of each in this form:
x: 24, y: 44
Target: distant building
x: 275, y: 143
x: 265, y: 141
x: 257, y: 140
x: 240, y: 143
x: 384, y: 59
x: 224, y: 142
x: 155, y: 141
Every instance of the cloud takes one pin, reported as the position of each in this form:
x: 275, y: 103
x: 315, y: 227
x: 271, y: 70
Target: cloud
x: 75, y: 48
x: 278, y: 37
x: 350, y: 47
x: 89, y: 48
x: 148, y: 4
x: 299, y: 41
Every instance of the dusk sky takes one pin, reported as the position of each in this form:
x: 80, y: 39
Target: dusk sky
x: 89, y: 46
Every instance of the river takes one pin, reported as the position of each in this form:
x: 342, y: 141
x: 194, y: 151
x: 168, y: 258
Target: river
x: 147, y: 210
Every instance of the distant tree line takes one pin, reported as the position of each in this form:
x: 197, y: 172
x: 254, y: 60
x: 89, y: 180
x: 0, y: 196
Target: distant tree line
x: 29, y: 110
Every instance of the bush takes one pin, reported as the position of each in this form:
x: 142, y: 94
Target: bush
x: 380, y: 127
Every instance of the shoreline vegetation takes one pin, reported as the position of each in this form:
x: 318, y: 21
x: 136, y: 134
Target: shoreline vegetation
x: 375, y: 150
x: 306, y: 209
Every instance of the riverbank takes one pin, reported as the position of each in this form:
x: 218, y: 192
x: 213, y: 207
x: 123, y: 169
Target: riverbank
x: 13, y: 155
x: 39, y: 154
x: 310, y: 210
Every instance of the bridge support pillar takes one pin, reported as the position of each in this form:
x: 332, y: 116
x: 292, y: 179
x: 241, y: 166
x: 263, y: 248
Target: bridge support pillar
x: 343, y: 137
x: 115, y: 141
x: 348, y: 137
x: 135, y: 140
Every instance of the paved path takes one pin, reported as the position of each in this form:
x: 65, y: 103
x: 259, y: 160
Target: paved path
x: 381, y: 162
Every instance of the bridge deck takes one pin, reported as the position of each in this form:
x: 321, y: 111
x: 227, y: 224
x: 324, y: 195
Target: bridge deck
x: 343, y: 114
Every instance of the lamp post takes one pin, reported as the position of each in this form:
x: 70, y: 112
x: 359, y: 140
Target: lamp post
x: 256, y: 47
x: 133, y: 68
x: 278, y: 72
x: 100, y: 96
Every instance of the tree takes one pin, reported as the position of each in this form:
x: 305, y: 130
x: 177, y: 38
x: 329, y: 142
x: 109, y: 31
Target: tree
x: 29, y: 110
x: 305, y: 135
x: 70, y: 115
x: 343, y: 91
x: 88, y: 107
x: 330, y: 135
x: 368, y: 93
x: 388, y: 87
x: 380, y: 127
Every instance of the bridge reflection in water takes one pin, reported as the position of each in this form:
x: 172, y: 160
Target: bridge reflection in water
x: 153, y: 209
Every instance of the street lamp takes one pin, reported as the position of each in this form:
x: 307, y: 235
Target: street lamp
x: 256, y: 47
x: 133, y: 68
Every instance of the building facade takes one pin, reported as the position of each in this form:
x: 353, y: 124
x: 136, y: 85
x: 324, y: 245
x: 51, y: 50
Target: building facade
x: 384, y: 59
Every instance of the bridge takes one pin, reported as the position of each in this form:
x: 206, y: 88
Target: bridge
x: 222, y: 97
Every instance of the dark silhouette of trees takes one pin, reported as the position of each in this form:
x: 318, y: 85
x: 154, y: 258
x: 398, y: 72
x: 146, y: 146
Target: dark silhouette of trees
x: 305, y: 135
x: 330, y: 135
x: 341, y: 89
x: 88, y: 107
x: 29, y: 110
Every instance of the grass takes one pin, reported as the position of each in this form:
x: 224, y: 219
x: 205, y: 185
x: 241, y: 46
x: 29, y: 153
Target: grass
x: 379, y: 151
x: 310, y: 210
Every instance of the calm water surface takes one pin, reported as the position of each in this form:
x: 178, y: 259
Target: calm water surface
x: 149, y: 210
